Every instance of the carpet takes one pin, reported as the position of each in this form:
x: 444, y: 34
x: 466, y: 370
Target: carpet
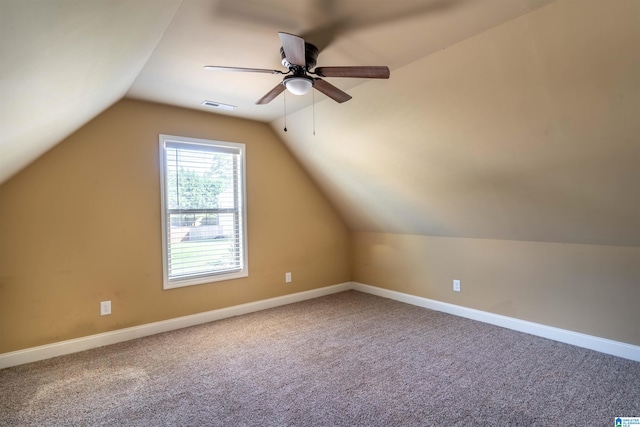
x: 347, y: 359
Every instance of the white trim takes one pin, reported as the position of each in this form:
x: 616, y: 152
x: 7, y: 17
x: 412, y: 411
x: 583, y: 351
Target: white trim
x: 92, y: 341
x: 603, y: 345
x: 615, y: 348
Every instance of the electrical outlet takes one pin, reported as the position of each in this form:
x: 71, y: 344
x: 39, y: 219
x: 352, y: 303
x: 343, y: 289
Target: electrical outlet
x: 105, y: 308
x: 456, y: 285
x: 287, y: 277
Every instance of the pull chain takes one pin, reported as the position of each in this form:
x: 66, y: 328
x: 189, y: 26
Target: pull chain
x: 285, y: 110
x: 313, y: 93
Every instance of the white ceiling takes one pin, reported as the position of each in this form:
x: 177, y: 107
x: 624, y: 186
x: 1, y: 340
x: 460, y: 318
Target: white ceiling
x: 245, y: 34
x: 62, y: 62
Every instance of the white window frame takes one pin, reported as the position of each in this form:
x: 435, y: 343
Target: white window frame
x: 176, y: 282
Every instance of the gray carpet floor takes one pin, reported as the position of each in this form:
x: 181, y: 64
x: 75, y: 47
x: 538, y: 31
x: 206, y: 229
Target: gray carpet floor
x: 348, y: 359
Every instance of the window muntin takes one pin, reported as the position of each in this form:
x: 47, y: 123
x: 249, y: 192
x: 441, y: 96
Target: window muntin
x: 203, y: 214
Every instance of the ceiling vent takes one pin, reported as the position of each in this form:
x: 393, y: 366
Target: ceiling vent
x: 219, y: 105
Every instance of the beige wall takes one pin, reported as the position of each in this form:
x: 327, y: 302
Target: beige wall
x: 82, y: 225
x: 584, y: 288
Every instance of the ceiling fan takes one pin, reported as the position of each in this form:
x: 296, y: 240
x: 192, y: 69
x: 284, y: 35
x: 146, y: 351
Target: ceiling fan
x: 300, y: 58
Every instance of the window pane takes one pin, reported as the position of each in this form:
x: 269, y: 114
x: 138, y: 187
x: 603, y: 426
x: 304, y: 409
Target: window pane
x: 199, y: 245
x: 198, y: 180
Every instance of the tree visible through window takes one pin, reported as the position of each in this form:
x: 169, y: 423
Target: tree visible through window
x: 203, y: 210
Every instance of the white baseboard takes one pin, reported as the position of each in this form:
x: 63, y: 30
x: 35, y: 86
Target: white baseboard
x: 615, y: 348
x: 93, y: 341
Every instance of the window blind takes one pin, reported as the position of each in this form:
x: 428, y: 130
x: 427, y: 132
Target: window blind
x: 203, y: 207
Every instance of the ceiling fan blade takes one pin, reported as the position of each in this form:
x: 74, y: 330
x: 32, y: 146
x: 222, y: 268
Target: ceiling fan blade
x: 366, y: 72
x: 270, y: 96
x: 331, y: 91
x: 293, y: 47
x: 244, y: 70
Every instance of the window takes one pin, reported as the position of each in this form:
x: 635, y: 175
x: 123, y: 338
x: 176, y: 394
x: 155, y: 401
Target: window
x: 203, y: 211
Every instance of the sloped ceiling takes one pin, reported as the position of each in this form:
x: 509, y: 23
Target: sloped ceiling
x: 244, y: 33
x: 64, y: 62
x: 528, y: 131
x: 502, y: 119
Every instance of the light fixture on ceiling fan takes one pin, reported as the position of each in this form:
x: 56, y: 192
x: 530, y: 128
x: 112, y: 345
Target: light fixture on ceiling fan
x: 298, y: 85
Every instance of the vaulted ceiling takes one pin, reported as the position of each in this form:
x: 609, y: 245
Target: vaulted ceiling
x: 502, y: 119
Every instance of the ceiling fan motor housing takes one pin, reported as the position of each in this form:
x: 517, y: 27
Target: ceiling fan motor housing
x: 310, y: 53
